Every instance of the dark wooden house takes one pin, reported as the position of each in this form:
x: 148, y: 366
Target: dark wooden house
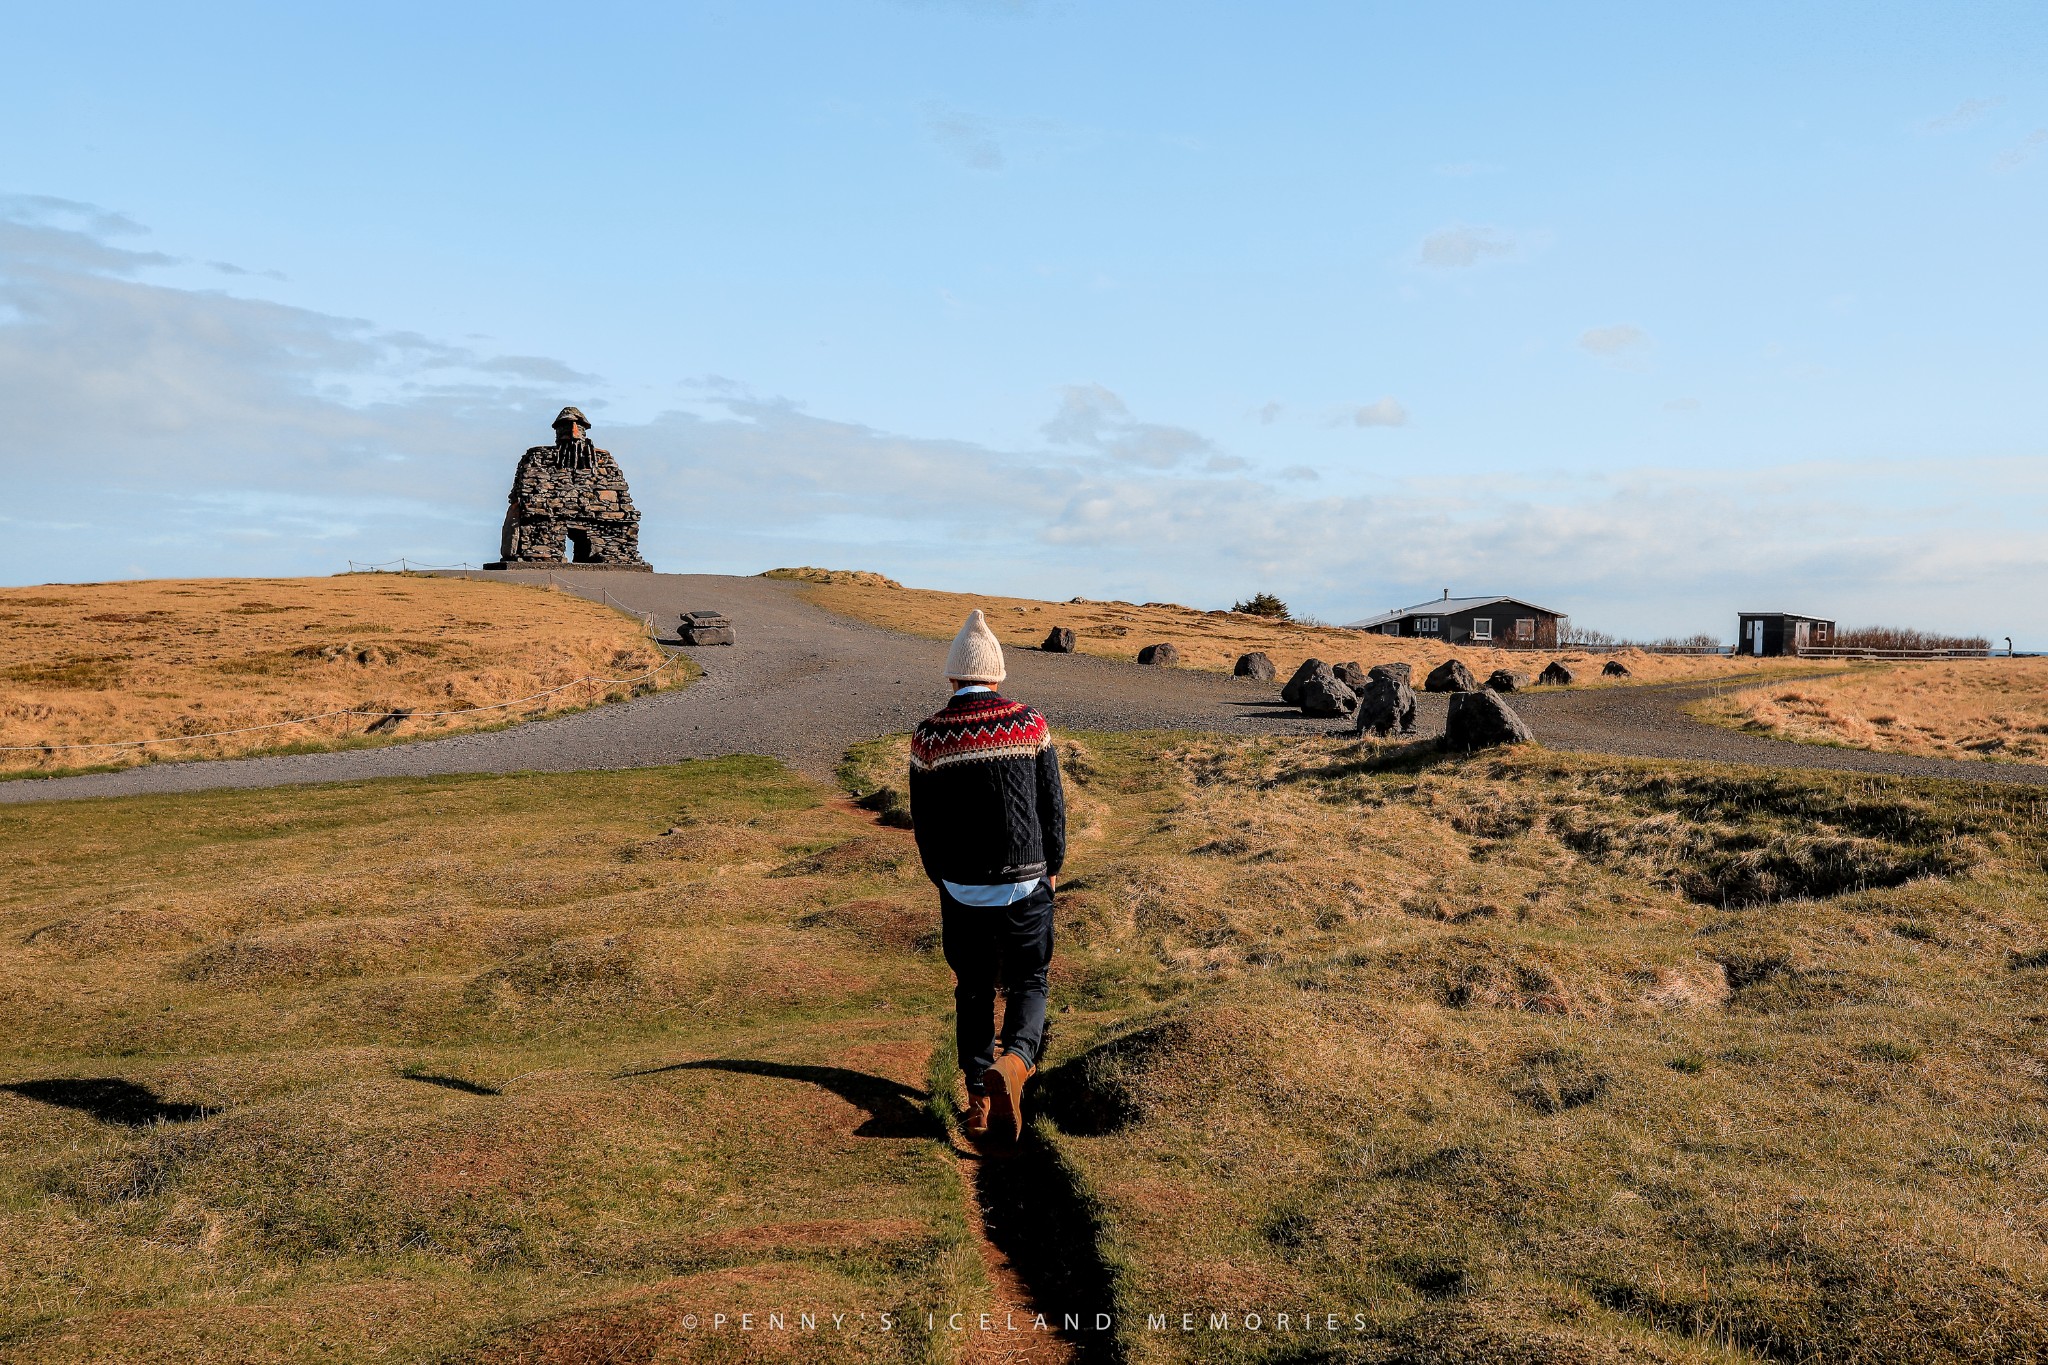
x: 1766, y: 634
x: 1502, y: 622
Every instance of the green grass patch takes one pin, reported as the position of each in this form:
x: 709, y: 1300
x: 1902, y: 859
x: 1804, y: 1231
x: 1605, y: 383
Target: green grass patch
x: 471, y: 1067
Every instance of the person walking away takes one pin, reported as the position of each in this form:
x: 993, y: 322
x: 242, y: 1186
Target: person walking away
x: 990, y: 817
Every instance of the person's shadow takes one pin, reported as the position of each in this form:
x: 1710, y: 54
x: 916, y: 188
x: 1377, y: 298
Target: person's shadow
x: 109, y: 1099
x: 894, y: 1109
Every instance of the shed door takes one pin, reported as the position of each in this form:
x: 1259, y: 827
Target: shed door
x: 1756, y: 636
x: 1800, y: 635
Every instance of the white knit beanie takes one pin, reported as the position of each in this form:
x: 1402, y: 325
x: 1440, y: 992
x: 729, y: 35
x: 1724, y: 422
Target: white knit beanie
x: 976, y: 656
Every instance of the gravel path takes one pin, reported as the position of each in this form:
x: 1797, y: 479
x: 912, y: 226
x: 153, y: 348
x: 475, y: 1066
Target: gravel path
x: 803, y: 684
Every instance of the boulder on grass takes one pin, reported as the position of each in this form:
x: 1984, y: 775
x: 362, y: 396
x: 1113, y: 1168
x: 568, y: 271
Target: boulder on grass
x: 1255, y: 666
x: 1386, y: 705
x: 1405, y: 673
x: 1352, y: 675
x: 1507, y: 680
x: 1555, y: 674
x: 1450, y: 676
x: 1159, y: 656
x: 1614, y: 668
x: 1310, y: 668
x: 1059, y: 640
x: 1325, y: 696
x: 1481, y: 720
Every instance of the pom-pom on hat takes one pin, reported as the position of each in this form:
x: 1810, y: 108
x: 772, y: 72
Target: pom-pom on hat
x: 976, y: 656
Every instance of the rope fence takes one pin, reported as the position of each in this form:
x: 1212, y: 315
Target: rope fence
x: 475, y: 572
x: 405, y: 566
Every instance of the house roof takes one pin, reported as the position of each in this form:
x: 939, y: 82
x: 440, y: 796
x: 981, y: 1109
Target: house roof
x: 1444, y: 606
x: 1788, y: 615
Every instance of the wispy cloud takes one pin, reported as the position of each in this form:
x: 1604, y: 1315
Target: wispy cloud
x: 1620, y: 339
x: 1092, y: 416
x: 1962, y: 116
x: 230, y: 268
x: 2028, y: 148
x: 1270, y: 414
x: 1459, y: 248
x: 1381, y: 412
x: 969, y: 138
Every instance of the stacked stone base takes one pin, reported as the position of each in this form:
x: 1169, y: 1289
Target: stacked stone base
x: 567, y: 566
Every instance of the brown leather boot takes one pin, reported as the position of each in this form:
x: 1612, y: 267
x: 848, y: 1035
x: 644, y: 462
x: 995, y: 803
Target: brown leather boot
x: 974, y: 1118
x: 1005, y: 1085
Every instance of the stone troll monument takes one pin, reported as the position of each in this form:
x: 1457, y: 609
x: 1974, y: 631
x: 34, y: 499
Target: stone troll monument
x: 570, y: 494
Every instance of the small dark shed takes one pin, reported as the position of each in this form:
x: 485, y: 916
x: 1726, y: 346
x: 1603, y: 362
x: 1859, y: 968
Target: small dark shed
x: 1767, y: 634
x: 1503, y: 622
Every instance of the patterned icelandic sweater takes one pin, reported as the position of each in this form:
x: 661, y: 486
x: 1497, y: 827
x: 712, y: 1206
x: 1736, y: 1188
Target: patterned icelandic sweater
x: 986, y: 801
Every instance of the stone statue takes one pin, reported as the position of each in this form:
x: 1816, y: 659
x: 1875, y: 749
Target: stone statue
x: 570, y: 496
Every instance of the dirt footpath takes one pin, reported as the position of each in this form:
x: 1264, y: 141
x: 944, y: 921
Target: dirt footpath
x: 802, y: 685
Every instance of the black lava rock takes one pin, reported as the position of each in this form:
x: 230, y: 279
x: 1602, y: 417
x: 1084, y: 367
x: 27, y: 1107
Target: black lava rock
x: 1450, y: 676
x: 1255, y: 666
x: 1326, y: 696
x: 1481, y: 720
x: 1310, y: 668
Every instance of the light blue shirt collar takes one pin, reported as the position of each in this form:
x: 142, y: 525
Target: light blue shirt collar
x: 974, y: 687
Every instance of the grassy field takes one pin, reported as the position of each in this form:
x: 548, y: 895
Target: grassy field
x: 99, y: 662
x: 1968, y: 708
x: 1549, y: 1058
x: 508, y: 1069
x: 1213, y: 639
x: 1520, y: 1057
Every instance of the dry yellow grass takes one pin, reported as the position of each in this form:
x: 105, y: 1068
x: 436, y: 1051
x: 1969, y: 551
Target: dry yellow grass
x: 1967, y: 708
x: 1214, y: 639
x: 1532, y: 1057
x: 99, y: 662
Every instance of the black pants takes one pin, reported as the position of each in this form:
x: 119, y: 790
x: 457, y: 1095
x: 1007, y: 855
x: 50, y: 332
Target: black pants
x: 992, y: 946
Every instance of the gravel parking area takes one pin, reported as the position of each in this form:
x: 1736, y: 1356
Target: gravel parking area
x: 802, y: 685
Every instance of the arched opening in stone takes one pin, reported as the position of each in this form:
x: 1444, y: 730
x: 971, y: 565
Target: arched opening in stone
x: 579, y: 547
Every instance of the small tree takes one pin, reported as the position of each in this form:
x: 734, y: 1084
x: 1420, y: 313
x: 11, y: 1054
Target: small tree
x: 1267, y: 605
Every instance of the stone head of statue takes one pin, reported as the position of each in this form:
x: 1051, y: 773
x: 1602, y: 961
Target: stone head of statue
x: 571, y: 425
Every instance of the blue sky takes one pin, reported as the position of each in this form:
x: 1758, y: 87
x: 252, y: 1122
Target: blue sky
x: 1647, y: 314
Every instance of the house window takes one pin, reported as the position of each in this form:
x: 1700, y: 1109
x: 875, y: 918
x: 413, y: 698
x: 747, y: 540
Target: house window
x: 1820, y: 630
x: 1525, y: 627
x: 1425, y: 625
x: 1482, y: 627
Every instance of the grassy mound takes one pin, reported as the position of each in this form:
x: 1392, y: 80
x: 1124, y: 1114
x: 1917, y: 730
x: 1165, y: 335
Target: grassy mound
x: 182, y: 660
x: 1543, y: 1058
x: 1965, y: 708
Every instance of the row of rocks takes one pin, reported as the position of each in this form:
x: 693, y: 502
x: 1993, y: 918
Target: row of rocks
x: 1453, y: 676
x: 1450, y: 676
x: 1062, y: 640
x: 1381, y: 697
x: 1382, y: 700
